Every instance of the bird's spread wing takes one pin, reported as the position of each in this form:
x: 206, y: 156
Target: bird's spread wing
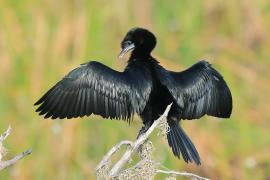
x: 96, y: 88
x: 199, y: 90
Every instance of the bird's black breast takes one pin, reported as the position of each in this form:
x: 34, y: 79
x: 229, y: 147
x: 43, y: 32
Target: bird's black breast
x: 159, y: 97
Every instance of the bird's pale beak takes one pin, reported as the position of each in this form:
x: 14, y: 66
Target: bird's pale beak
x: 127, y: 47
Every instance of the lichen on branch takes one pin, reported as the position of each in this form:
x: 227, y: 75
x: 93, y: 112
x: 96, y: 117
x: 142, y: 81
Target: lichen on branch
x: 146, y: 168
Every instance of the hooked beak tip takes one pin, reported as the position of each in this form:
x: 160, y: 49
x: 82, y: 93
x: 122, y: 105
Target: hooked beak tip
x: 125, y: 50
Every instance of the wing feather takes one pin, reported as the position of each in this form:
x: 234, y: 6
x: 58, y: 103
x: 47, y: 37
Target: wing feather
x: 96, y: 88
x: 198, y: 90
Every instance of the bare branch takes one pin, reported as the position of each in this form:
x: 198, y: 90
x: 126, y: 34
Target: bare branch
x: 4, y: 164
x: 5, y: 135
x: 127, y: 155
x: 114, y: 149
x: 146, y: 168
x: 176, y: 173
x: 3, y: 151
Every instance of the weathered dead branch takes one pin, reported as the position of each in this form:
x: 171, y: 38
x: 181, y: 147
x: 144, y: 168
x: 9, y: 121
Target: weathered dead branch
x: 146, y: 168
x: 3, y: 152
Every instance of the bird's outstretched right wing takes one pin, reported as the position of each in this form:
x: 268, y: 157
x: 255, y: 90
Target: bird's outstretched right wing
x: 96, y: 88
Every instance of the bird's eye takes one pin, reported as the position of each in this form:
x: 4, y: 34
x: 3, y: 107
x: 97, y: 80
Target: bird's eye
x: 126, y: 43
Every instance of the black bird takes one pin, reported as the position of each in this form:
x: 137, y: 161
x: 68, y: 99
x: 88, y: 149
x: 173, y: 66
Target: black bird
x: 145, y: 88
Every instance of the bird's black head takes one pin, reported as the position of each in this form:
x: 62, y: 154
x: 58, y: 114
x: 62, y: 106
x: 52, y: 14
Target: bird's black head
x: 140, y: 41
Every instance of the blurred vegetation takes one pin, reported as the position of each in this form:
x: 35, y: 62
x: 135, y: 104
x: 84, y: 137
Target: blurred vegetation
x: 40, y: 41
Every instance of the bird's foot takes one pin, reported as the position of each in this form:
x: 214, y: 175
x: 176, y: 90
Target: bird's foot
x: 141, y: 132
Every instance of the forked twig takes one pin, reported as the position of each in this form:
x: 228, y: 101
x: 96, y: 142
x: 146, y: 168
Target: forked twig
x: 148, y: 166
x: 3, y: 151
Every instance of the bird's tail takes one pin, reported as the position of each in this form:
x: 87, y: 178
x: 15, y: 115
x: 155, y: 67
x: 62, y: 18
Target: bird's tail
x: 181, y: 144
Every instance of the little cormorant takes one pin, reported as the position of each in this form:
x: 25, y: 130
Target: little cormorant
x: 145, y: 88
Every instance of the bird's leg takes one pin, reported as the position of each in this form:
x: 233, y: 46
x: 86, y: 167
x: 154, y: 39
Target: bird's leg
x: 143, y: 129
x: 141, y: 132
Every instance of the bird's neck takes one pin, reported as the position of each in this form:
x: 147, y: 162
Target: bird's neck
x: 140, y: 54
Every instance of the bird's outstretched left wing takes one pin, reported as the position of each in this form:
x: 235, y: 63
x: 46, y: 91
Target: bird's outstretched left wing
x: 96, y: 88
x: 198, y: 90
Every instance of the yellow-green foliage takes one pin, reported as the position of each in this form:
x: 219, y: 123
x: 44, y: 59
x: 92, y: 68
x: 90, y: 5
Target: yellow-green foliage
x: 40, y: 41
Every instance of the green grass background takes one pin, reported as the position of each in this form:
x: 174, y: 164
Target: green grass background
x: 40, y: 41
